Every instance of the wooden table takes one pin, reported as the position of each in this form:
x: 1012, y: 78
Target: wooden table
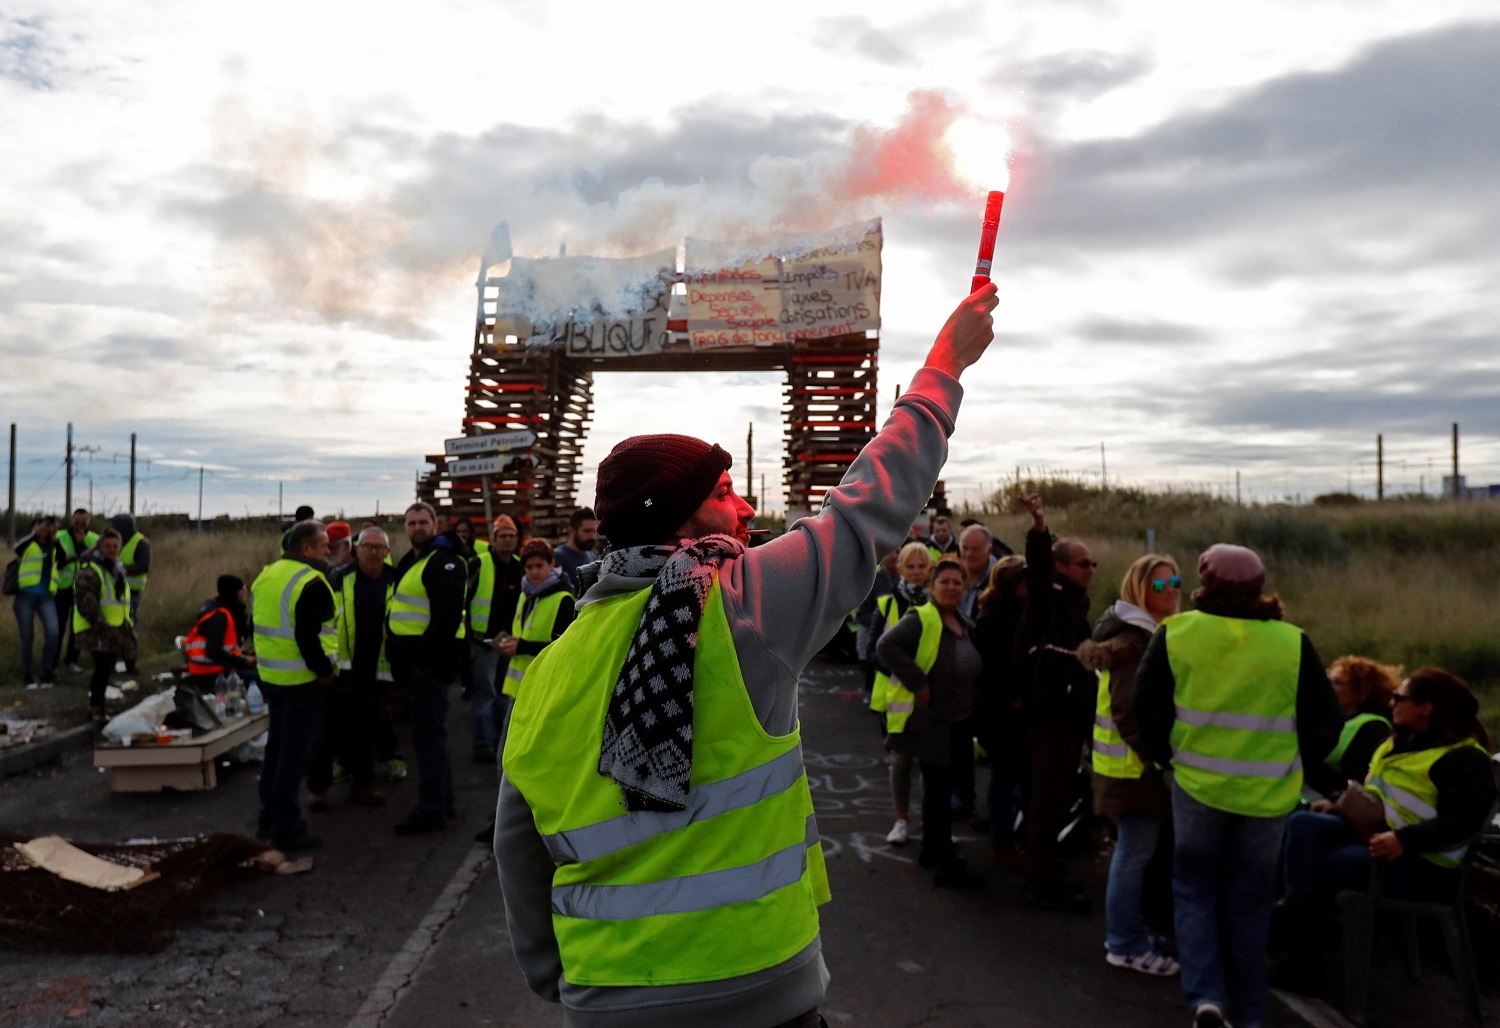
x: 188, y: 766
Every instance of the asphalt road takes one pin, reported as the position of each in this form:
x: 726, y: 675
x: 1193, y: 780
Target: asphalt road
x: 390, y: 932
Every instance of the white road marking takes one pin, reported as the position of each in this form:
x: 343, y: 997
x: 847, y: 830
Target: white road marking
x: 401, y: 972
x: 1314, y: 1011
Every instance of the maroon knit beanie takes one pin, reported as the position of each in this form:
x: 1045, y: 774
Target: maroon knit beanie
x: 650, y: 484
x: 1226, y: 568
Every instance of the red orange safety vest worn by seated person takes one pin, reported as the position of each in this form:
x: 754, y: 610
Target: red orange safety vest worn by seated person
x: 195, y: 646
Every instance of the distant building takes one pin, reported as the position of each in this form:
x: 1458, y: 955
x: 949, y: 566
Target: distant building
x: 1478, y: 492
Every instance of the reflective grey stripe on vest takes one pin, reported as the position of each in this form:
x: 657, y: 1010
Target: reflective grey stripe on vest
x: 703, y: 802
x: 114, y: 603
x: 285, y: 631
x: 401, y: 615
x: 687, y: 894
x: 1424, y: 811
x: 898, y: 708
x: 282, y: 665
x: 1224, y: 719
x: 516, y: 674
x: 412, y: 601
x: 478, y: 605
x: 1240, y: 768
x: 1110, y: 749
x: 1105, y: 722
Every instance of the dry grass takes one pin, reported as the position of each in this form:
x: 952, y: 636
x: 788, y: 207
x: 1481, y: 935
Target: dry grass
x: 1405, y: 583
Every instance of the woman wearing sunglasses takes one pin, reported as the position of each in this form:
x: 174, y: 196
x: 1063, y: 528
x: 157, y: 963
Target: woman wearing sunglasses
x: 1127, y: 790
x: 1434, y: 780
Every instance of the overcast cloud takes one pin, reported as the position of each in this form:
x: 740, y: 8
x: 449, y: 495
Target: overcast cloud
x: 1227, y: 246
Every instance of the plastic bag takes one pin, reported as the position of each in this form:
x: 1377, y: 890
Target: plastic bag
x: 252, y: 752
x: 145, y: 718
x: 193, y: 711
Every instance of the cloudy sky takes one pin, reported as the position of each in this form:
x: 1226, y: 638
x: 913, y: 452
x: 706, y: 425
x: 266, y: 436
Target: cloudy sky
x: 1238, y: 238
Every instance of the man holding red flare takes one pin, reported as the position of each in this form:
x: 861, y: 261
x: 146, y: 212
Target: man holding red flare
x: 656, y: 844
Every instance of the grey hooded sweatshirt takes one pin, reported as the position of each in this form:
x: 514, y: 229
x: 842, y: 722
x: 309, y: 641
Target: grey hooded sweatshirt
x: 783, y: 600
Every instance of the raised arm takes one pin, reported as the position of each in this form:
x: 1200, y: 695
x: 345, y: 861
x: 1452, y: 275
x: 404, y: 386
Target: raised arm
x: 788, y: 597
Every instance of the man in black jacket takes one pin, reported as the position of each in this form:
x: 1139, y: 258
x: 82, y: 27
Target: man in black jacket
x: 424, y: 648
x: 1054, y: 623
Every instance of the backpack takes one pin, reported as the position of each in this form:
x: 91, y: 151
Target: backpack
x: 12, y: 583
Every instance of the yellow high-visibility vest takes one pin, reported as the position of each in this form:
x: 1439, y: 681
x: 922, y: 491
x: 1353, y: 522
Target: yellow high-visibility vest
x: 728, y: 887
x: 273, y: 599
x: 411, y: 610
x: 1112, y: 756
x: 65, y: 540
x: 127, y: 556
x: 900, y: 700
x: 348, y: 630
x: 114, y: 606
x: 1403, y: 781
x: 531, y: 626
x: 35, y: 562
x: 1234, y: 743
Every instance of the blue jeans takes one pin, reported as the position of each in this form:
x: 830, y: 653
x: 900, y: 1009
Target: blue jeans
x: 483, y: 663
x: 1135, y: 844
x: 1224, y: 888
x: 296, y: 722
x: 29, y: 607
x: 1323, y: 854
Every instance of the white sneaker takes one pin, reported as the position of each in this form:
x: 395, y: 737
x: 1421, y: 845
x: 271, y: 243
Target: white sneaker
x: 1209, y: 1015
x: 898, y: 835
x: 73, y: 669
x: 119, y: 667
x: 1149, y: 962
x: 33, y: 685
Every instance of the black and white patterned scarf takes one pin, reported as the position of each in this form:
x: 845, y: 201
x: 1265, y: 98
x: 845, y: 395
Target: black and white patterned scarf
x: 648, y: 731
x: 911, y: 595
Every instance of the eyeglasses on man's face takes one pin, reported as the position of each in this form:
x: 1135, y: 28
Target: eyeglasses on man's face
x: 1159, y: 585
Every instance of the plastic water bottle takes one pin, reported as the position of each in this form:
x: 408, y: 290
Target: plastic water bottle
x: 255, y: 699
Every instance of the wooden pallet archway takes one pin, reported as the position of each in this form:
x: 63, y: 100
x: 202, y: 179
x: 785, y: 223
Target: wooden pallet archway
x: 828, y: 407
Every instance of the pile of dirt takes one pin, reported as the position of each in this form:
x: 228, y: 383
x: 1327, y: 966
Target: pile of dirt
x: 41, y: 911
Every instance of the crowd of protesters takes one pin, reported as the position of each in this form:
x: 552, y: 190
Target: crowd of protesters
x: 1191, y: 738
x: 369, y: 634
x: 84, y: 588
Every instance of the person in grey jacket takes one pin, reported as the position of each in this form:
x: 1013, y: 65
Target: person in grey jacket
x: 941, y: 726
x: 782, y: 601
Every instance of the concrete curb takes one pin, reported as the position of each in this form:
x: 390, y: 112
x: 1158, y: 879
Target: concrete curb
x: 24, y: 758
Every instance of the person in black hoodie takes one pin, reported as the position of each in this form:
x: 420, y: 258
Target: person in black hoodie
x: 1054, y: 623
x: 424, y: 648
x: 1001, y: 721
